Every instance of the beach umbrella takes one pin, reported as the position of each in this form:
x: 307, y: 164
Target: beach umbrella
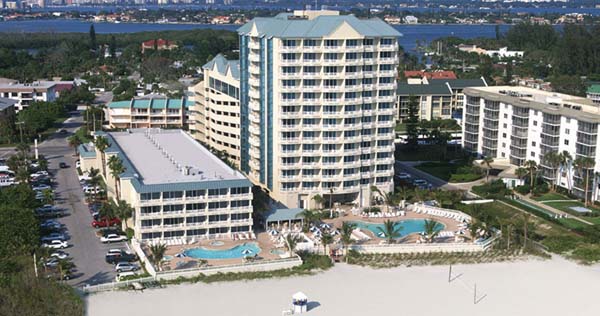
x: 326, y: 226
x: 381, y: 234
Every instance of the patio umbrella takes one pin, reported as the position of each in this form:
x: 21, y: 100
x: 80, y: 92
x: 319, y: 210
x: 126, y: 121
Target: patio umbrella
x: 326, y: 226
x: 381, y: 234
x: 273, y: 232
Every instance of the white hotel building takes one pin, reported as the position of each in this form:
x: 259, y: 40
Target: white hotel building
x: 517, y: 124
x: 318, y: 92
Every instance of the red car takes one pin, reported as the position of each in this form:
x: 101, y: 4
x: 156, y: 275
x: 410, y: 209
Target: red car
x: 102, y: 222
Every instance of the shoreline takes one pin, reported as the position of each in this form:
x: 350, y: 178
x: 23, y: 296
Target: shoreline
x: 535, y: 287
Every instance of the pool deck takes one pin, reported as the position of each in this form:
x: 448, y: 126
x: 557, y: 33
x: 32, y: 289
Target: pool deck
x: 262, y: 239
x: 449, y: 225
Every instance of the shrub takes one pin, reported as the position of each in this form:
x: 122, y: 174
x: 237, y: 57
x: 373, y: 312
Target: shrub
x: 523, y: 189
x: 561, y: 244
x: 540, y: 189
x: 587, y: 253
x: 494, y: 189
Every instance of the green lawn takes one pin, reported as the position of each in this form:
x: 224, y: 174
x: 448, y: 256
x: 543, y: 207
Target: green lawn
x: 448, y: 171
x: 425, y: 153
x: 551, y: 196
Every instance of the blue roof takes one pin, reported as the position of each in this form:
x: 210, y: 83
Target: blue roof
x: 285, y: 27
x: 86, y: 151
x: 284, y: 214
x: 152, y: 103
x: 222, y: 65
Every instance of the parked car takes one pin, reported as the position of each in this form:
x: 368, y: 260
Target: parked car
x: 121, y: 276
x: 46, y: 208
x: 92, y: 190
x: 63, y: 165
x: 55, y: 244
x: 51, y: 225
x: 121, y: 256
x: 59, y: 255
x: 54, y: 273
x: 52, y: 262
x: 126, y: 266
x: 54, y: 236
x: 41, y: 187
x: 104, y: 222
x: 403, y: 176
x: 113, y: 238
x: 77, y: 164
x: 40, y: 173
x: 62, y: 131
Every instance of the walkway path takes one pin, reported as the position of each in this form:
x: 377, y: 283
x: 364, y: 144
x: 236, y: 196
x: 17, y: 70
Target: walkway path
x: 551, y: 209
x: 549, y: 201
x: 409, y: 167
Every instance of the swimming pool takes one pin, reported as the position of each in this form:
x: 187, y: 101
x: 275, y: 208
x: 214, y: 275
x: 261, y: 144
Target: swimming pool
x: 408, y: 227
x: 239, y: 251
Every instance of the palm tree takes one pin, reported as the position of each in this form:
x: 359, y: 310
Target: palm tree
x: 102, y: 144
x: 389, y: 198
x: 526, y: 218
x: 474, y: 227
x: 291, y: 241
x: 552, y: 160
x: 326, y: 240
x: 346, y: 236
x: 566, y: 161
x: 487, y: 161
x: 390, y: 230
x: 108, y: 211
x: 431, y: 229
x: 319, y: 200
x: 532, y: 166
x: 74, y: 142
x: 43, y: 163
x: 124, y: 211
x: 157, y: 254
x: 22, y: 150
x: 309, y: 216
x: 584, y: 164
x: 94, y: 181
x: 521, y: 172
x: 115, y: 164
x: 64, y: 268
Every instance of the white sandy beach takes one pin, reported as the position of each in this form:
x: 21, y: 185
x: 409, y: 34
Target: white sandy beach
x: 552, y: 287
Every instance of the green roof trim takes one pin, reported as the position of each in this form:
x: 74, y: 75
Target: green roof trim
x: 151, y: 104
x: 85, y: 151
x: 595, y: 88
x: 284, y: 214
x: 460, y: 83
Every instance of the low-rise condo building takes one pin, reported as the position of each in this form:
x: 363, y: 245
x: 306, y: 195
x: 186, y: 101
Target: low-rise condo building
x: 517, y: 124
x: 593, y: 93
x: 148, y: 113
x: 437, y: 98
x: 215, y: 113
x: 317, y: 93
x: 27, y: 93
x: 177, y: 188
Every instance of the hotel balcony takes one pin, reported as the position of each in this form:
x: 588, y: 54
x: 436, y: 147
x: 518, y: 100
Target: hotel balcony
x: 254, y: 45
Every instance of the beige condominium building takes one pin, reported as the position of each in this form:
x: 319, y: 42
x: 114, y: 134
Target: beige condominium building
x: 437, y: 98
x: 148, y: 113
x: 215, y: 113
x: 517, y: 124
x: 27, y: 93
x: 318, y: 93
x: 176, y: 186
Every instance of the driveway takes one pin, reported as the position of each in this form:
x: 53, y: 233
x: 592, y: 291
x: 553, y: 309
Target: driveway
x: 408, y: 167
x: 86, y: 249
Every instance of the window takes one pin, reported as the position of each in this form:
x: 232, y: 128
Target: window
x: 533, y: 144
x: 172, y: 195
x: 289, y: 56
x: 505, y: 116
x: 331, y: 56
x: 310, y: 56
x: 385, y: 67
x: 533, y: 154
x: 386, y: 41
x: 310, y: 43
x: 503, y: 135
x: 240, y: 190
x: 289, y: 43
x: 150, y: 196
x: 195, y: 193
x: 568, y: 120
x: 385, y: 54
x: 310, y: 82
x: 567, y: 131
x: 310, y: 69
x: 351, y: 69
x: 289, y: 83
x: 351, y: 42
x: 504, y: 125
x: 368, y: 41
x: 289, y: 70
x: 566, y: 142
x: 367, y: 55
x: 331, y: 69
x: 331, y: 43
x: 351, y: 56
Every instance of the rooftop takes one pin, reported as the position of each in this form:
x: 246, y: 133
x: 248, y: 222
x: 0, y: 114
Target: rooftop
x: 568, y: 105
x: 6, y: 103
x: 42, y: 85
x: 315, y: 24
x: 595, y: 88
x: 169, y: 156
x: 460, y: 83
x: 423, y: 89
x: 152, y: 103
x: 222, y: 65
x: 444, y: 74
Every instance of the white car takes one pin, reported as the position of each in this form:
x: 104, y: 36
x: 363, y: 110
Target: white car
x: 403, y: 175
x: 78, y: 164
x: 126, y: 266
x: 41, y: 187
x: 55, y: 244
x: 123, y: 275
x: 40, y: 173
x: 59, y: 255
x: 91, y: 190
x: 113, y: 238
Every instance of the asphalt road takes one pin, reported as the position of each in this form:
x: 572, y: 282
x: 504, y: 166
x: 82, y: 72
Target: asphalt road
x: 85, y: 247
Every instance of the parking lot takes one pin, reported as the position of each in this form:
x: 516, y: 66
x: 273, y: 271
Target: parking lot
x: 85, y: 248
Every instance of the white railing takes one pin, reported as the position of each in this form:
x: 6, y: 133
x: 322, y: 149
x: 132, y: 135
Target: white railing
x: 142, y: 255
x: 114, y: 285
x: 426, y: 248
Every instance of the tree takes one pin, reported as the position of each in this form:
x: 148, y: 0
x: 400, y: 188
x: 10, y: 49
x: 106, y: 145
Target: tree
x: 326, y: 240
x: 108, y: 211
x: 64, y: 268
x: 74, y: 142
x: 431, y: 229
x: 112, y: 47
x: 102, y: 144
x: 346, y: 236
x: 94, y: 181
x: 508, y: 73
x: 390, y: 230
x: 487, y: 161
x: 93, y: 43
x: 115, y: 164
x: 19, y: 229
x: 48, y: 196
x: 310, y: 217
x: 526, y: 218
x: 317, y: 198
x: 124, y: 211
x: 291, y: 241
x: 43, y: 163
x: 531, y: 165
x: 553, y: 160
x: 157, y: 253
x: 572, y: 85
x: 521, y: 172
x: 584, y: 165
x: 389, y: 198
x: 566, y: 161
x: 412, y: 122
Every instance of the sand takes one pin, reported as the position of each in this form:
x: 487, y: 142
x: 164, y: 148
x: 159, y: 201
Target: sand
x: 533, y: 287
